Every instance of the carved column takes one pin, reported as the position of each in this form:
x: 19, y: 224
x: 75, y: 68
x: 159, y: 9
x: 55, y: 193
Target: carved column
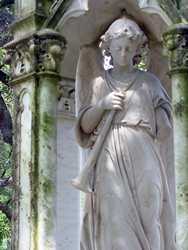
x: 176, y: 42
x: 35, y: 77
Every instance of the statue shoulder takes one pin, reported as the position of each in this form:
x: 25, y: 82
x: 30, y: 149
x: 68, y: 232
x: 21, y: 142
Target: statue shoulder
x: 154, y: 85
x: 150, y: 78
x: 156, y: 88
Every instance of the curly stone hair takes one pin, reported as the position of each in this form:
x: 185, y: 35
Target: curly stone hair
x: 124, y: 26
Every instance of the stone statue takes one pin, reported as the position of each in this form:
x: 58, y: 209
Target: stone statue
x: 124, y: 116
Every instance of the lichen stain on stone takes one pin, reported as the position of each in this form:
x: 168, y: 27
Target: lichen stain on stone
x: 49, y: 147
x: 48, y: 186
x: 179, y: 107
x: 47, y: 124
x: 49, y: 221
x: 182, y: 197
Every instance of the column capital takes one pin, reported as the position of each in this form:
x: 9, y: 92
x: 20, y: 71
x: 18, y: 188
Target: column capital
x: 39, y: 53
x: 176, y: 43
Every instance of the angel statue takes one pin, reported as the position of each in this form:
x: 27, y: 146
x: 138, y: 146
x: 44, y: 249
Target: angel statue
x: 124, y: 116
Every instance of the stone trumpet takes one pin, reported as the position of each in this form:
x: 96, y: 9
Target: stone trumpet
x: 85, y: 180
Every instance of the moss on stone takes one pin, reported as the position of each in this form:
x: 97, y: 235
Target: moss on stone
x: 47, y: 123
x: 48, y: 186
x: 170, y: 9
x: 180, y: 96
x: 50, y: 221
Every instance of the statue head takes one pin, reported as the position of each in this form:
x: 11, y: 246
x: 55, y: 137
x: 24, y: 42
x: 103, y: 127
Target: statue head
x: 123, y: 41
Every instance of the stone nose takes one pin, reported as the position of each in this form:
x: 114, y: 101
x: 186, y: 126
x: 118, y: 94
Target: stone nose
x: 124, y: 51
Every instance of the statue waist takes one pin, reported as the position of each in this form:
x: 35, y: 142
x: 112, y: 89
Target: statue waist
x: 136, y: 124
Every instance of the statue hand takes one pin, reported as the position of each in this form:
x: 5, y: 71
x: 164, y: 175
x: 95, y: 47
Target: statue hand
x: 114, y: 100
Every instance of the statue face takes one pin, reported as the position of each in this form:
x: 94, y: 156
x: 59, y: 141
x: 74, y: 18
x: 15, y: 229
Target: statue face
x: 123, y: 49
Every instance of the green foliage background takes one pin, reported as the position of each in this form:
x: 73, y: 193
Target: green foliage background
x: 5, y: 164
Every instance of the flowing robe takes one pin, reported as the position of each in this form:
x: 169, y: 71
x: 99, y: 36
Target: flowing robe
x: 131, y: 208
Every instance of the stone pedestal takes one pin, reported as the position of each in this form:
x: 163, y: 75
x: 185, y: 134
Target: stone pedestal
x: 35, y: 77
x: 176, y: 41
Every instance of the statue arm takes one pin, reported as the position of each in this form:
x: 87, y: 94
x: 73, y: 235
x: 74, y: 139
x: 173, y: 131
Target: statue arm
x: 163, y: 114
x: 92, y: 117
x: 163, y: 124
x: 87, y: 120
x: 163, y: 109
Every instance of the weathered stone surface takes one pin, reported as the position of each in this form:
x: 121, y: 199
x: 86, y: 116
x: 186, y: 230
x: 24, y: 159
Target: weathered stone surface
x: 37, y: 53
x: 35, y: 76
x: 184, y: 8
x: 68, y: 200
x: 176, y: 41
x: 81, y: 22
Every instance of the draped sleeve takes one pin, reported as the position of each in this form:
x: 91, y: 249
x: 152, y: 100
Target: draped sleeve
x: 161, y: 98
x: 89, y: 89
x: 84, y: 140
x: 164, y: 141
x: 163, y: 111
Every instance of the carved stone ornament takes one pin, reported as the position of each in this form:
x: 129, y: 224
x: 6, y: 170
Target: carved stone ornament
x: 41, y: 52
x: 67, y: 100
x: 176, y: 42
